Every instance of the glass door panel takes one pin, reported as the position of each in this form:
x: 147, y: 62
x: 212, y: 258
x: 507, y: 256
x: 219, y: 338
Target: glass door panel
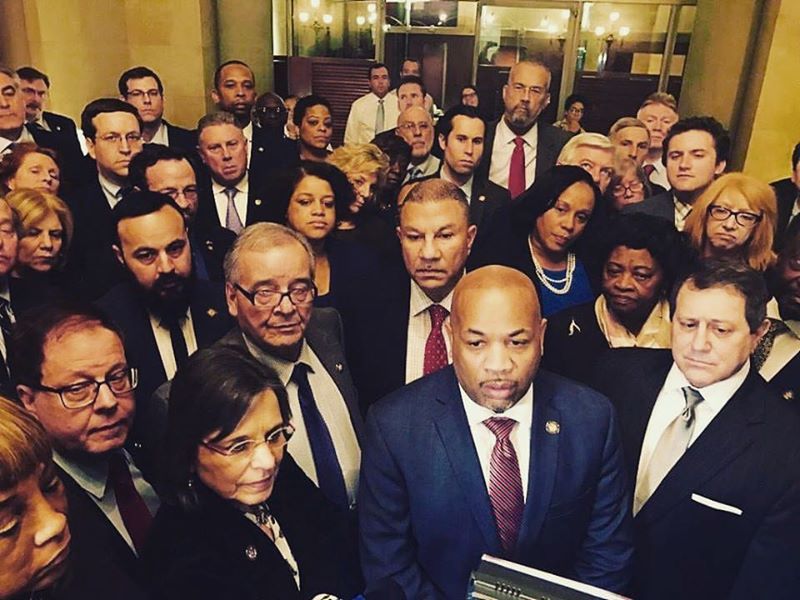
x: 512, y: 33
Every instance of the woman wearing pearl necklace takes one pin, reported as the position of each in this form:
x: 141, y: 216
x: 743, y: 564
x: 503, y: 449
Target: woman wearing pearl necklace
x: 547, y: 221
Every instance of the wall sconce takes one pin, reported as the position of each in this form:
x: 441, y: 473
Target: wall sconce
x: 314, y: 3
x: 360, y: 20
x: 372, y: 17
x: 371, y: 8
x: 303, y: 16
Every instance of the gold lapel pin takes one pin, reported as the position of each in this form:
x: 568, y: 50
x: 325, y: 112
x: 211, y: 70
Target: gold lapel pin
x: 552, y: 427
x: 481, y: 198
x: 211, y: 312
x: 339, y: 367
x: 258, y: 201
x: 788, y: 395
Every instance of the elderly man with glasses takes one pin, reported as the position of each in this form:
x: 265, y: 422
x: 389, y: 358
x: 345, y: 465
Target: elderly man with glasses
x: 72, y: 373
x: 269, y: 286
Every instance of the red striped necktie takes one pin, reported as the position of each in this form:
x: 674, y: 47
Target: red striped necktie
x: 505, y: 484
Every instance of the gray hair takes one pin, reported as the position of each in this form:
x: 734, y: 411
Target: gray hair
x: 594, y: 140
x: 216, y: 118
x: 11, y: 73
x: 624, y: 123
x: 261, y: 237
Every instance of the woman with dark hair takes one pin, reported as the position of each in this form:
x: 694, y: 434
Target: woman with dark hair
x: 34, y: 534
x: 574, y: 109
x: 29, y: 166
x: 640, y: 256
x: 313, y: 117
x: 240, y: 519
x: 546, y: 224
x: 309, y: 199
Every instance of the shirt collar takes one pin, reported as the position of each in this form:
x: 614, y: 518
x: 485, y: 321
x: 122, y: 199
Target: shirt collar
x: 109, y: 187
x: 506, y: 136
x: 247, y: 130
x: 521, y: 412
x: 655, y: 332
x: 420, y: 302
x: 161, y: 135
x: 716, y: 395
x: 90, y: 475
x: 241, y: 187
x: 281, y: 366
x: 466, y: 188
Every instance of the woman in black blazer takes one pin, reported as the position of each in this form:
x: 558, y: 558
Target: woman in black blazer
x: 241, y: 520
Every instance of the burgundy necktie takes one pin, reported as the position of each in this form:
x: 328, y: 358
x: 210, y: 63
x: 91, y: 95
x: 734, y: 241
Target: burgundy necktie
x: 135, y: 514
x: 648, y: 170
x: 435, y: 348
x: 505, y: 484
x: 516, y: 170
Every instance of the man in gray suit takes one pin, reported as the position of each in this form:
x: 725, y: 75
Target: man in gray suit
x: 695, y: 153
x: 270, y: 291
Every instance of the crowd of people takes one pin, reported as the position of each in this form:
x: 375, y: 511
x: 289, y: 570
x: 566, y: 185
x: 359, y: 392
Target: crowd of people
x: 236, y: 362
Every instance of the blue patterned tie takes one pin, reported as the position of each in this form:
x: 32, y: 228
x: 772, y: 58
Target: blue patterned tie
x: 329, y: 472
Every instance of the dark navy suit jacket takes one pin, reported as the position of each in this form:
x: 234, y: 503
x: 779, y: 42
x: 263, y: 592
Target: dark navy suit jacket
x: 424, y: 508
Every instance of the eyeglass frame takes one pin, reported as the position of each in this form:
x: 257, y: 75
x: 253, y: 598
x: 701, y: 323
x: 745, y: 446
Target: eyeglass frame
x: 133, y: 376
x: 626, y: 188
x: 735, y: 214
x: 287, y: 429
x: 251, y: 296
x: 116, y: 138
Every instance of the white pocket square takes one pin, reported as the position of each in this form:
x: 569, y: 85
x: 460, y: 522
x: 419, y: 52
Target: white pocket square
x: 716, y: 505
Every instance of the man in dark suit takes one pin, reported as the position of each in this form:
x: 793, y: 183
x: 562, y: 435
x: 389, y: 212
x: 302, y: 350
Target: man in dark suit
x: 113, y: 131
x: 72, y: 373
x: 779, y: 352
x: 492, y: 457
x: 51, y: 130
x: 160, y: 169
x: 696, y: 152
x: 270, y: 148
x: 787, y: 192
x: 163, y: 311
x: 235, y: 193
x: 142, y: 88
x: 712, y: 450
x: 269, y: 286
x: 518, y: 147
x: 397, y: 334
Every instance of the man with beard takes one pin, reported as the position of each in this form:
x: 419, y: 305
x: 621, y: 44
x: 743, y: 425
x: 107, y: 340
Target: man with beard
x: 164, y: 312
x: 161, y: 169
x: 520, y: 148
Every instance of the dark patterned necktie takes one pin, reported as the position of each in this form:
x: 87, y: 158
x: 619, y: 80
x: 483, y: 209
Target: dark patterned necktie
x: 505, y: 484
x: 435, y: 347
x: 764, y: 347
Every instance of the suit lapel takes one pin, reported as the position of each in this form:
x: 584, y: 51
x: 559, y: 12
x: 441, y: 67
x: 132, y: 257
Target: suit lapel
x: 729, y: 434
x: 453, y: 429
x: 544, y: 448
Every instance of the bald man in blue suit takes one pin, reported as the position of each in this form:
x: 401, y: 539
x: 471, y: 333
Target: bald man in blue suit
x: 431, y: 502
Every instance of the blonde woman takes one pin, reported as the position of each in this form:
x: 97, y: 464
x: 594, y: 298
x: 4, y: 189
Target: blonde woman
x: 365, y: 166
x: 735, y: 218
x: 45, y: 231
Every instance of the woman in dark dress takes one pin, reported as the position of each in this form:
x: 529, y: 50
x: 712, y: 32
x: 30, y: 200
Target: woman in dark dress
x: 240, y: 519
x: 640, y: 257
x: 541, y: 236
x: 309, y: 200
x: 313, y: 117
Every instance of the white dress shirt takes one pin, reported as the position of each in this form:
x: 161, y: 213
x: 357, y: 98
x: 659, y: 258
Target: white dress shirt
x: 5, y: 293
x: 659, y: 175
x: 164, y: 342
x: 360, y: 127
x: 24, y: 136
x: 484, y: 439
x: 161, y: 136
x: 110, y: 190
x: 247, y: 130
x: 429, y: 166
x: 671, y: 402
x: 331, y: 406
x: 240, y: 200
x: 93, y: 479
x: 785, y: 347
x: 503, y: 148
x: 466, y: 188
x: 419, y: 328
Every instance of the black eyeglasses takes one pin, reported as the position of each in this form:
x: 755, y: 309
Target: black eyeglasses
x: 621, y: 188
x: 300, y: 295
x: 742, y: 217
x: 84, y: 393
